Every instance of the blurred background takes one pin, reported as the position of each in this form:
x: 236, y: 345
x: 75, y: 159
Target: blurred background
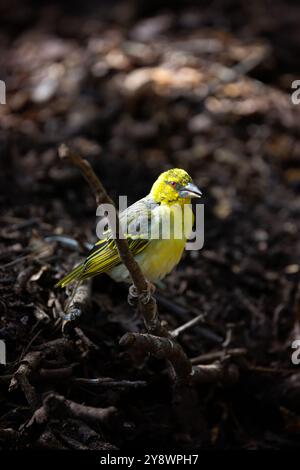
x: 138, y: 87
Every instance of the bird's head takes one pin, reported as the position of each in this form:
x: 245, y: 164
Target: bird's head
x: 174, y: 185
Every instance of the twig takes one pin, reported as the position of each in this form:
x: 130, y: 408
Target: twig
x: 107, y: 382
x: 175, y: 333
x: 102, y: 197
x: 39, y: 251
x: 100, y: 194
x: 85, y: 340
x: 29, y: 365
x: 9, y: 434
x: 271, y: 370
x: 77, y: 304
x: 147, y: 303
x: 159, y: 341
x: 184, y: 372
x: 69, y: 242
x: 28, y: 346
x: 58, y: 346
x: 21, y: 377
x: 57, y: 374
x: 182, y: 312
x: 202, y: 358
x: 162, y: 348
x: 55, y: 405
x: 212, y: 373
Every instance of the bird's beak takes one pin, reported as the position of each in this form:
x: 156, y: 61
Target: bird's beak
x: 190, y: 190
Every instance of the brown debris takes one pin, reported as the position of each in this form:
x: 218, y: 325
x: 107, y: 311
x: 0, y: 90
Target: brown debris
x: 55, y: 405
x: 136, y: 88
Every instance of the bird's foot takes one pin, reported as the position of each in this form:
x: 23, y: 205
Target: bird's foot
x: 147, y: 294
x: 133, y: 296
x: 144, y: 297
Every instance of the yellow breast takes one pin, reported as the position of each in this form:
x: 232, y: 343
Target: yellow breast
x: 157, y: 260
x: 162, y: 255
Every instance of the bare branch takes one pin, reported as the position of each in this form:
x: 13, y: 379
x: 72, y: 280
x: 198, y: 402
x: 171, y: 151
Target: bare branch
x: 28, y: 368
x: 212, y: 356
x: 160, y: 342
x: 62, y: 373
x: 147, y: 303
x: 175, y: 333
x: 107, y: 382
x: 78, y: 303
x: 65, y: 153
x: 212, y: 373
x: 162, y: 348
x: 55, y: 405
x: 22, y: 375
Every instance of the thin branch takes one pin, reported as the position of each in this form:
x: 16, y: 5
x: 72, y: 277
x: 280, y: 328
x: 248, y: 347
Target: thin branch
x: 147, y: 303
x: 184, y: 372
x: 162, y: 348
x: 22, y: 375
x: 85, y: 340
x: 55, y: 405
x: 102, y: 197
x: 62, y: 373
x: 175, y: 333
x: 212, y: 373
x: 29, y: 365
x: 160, y: 342
x: 69, y: 242
x: 77, y: 304
x: 212, y: 356
x: 107, y: 382
x: 96, y: 186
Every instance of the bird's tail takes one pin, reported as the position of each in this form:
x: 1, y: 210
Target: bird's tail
x: 71, y: 276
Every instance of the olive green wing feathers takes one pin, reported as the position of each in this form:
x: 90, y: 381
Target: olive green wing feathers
x: 136, y: 224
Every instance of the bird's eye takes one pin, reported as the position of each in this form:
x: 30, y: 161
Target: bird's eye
x: 173, y: 184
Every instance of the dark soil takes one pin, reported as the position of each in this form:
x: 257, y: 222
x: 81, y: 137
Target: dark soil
x: 138, y: 88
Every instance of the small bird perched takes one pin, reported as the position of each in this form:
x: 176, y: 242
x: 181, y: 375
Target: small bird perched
x: 156, y: 229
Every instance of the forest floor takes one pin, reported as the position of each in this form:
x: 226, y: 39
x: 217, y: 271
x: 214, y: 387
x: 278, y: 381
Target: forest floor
x: 208, y: 91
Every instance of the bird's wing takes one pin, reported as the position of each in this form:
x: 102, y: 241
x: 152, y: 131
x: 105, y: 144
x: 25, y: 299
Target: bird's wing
x: 136, y: 223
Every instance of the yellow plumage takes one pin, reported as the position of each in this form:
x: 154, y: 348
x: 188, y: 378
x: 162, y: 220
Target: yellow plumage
x: 164, y: 220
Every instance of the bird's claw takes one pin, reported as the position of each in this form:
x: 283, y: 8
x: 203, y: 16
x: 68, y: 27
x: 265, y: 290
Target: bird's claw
x: 144, y: 297
x: 147, y: 294
x: 132, y: 296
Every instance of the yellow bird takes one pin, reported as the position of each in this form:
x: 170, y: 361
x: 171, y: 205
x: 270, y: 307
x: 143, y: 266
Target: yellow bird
x: 156, y: 228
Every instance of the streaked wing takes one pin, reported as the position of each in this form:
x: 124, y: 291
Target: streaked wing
x: 136, y: 222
